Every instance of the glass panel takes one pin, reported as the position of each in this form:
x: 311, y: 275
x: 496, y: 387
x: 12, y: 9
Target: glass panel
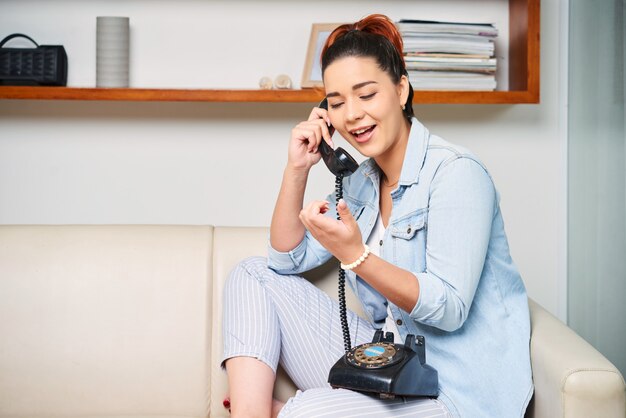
x: 597, y: 177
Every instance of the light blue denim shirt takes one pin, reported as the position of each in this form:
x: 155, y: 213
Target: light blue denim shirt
x: 447, y: 229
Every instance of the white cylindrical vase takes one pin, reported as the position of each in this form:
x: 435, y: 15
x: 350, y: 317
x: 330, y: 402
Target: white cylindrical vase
x: 112, y: 51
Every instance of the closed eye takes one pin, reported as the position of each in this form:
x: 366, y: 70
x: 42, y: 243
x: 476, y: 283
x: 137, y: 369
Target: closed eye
x: 337, y: 105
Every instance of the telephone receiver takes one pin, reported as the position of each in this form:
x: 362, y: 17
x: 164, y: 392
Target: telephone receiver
x: 338, y: 161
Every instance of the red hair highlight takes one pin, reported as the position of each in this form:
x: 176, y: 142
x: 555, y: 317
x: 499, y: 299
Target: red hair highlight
x: 376, y: 24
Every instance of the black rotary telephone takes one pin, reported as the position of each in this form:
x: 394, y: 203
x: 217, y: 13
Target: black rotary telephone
x: 380, y: 367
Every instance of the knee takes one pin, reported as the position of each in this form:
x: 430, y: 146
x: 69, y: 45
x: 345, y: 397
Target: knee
x: 254, y: 265
x: 251, y: 271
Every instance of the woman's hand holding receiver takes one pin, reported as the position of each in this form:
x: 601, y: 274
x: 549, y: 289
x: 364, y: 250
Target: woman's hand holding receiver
x: 305, y: 139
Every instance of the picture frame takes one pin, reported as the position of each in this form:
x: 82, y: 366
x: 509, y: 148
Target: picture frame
x: 312, y: 74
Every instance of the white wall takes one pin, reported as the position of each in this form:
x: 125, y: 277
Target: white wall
x: 221, y: 163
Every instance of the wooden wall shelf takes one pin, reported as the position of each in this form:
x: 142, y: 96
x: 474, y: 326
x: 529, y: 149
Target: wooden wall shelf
x: 524, y: 75
x: 174, y: 95
x: 287, y: 96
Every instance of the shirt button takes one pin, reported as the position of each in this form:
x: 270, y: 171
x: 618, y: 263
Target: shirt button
x: 399, y: 322
x: 380, y: 243
x: 408, y: 231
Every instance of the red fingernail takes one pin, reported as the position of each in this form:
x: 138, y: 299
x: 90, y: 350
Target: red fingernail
x: 226, y: 403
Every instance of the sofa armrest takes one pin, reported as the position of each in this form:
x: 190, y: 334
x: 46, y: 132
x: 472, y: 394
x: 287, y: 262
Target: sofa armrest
x: 572, y: 379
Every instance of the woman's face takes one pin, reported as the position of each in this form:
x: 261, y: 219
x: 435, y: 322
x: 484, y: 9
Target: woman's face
x: 365, y: 105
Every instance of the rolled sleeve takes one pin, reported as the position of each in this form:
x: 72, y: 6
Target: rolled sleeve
x: 308, y: 254
x: 436, y: 305
x: 460, y: 216
x: 286, y: 262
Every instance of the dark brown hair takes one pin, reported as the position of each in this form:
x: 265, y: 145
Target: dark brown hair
x: 374, y: 36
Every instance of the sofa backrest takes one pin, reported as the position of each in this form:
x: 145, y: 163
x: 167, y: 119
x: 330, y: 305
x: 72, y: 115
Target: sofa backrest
x: 105, y: 320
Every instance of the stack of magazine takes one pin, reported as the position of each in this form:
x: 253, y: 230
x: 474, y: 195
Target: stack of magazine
x: 449, y: 56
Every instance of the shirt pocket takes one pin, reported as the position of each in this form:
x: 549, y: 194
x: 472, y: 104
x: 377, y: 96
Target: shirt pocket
x: 408, y: 241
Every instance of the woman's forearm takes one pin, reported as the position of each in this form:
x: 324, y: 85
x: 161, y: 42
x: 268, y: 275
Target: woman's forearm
x: 400, y: 286
x: 286, y: 230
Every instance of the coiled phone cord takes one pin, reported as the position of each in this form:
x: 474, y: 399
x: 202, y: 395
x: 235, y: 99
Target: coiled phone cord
x: 342, y: 276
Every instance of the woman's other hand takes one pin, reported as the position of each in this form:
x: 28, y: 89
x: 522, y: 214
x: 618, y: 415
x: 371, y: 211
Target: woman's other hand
x: 342, y: 238
x: 305, y: 139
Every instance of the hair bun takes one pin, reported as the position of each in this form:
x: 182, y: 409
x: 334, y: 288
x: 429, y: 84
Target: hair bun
x: 377, y: 24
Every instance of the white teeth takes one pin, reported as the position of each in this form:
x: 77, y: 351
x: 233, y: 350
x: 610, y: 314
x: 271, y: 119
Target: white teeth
x: 360, y: 131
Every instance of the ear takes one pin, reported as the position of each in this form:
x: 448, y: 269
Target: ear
x: 403, y: 89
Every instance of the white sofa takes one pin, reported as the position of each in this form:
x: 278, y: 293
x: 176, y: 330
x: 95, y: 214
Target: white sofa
x: 125, y: 321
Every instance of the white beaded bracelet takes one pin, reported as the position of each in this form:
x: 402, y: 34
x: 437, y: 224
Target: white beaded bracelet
x: 358, y: 261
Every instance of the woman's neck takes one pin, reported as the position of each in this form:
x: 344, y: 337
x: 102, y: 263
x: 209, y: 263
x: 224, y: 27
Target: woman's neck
x: 390, y: 163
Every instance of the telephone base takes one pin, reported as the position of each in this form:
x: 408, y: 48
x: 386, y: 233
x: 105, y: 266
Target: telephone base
x: 387, y: 369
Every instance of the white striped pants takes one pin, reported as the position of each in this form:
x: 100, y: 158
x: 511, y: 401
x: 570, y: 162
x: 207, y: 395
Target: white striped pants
x: 286, y: 319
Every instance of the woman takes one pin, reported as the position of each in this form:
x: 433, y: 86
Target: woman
x: 439, y: 264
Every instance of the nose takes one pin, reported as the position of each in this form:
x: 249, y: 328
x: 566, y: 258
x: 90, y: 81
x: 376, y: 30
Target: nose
x: 354, y: 111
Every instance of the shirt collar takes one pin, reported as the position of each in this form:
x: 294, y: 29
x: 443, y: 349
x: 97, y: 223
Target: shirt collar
x: 415, y: 153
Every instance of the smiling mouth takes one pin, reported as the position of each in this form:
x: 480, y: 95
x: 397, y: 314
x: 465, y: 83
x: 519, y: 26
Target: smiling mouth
x: 363, y: 134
